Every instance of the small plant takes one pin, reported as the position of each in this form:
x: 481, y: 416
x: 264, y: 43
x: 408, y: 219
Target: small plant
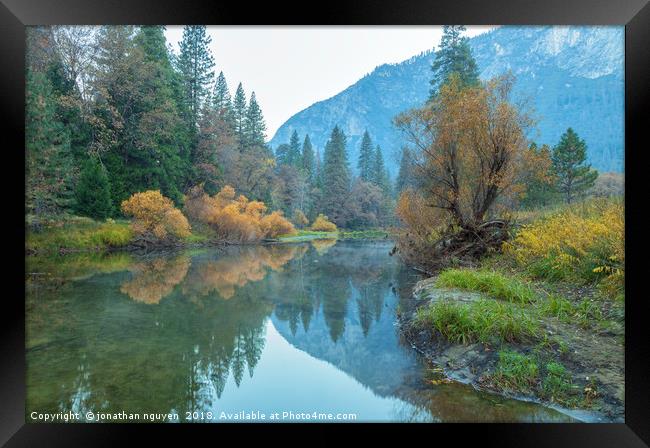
x: 516, y: 371
x: 557, y: 382
x: 559, y: 307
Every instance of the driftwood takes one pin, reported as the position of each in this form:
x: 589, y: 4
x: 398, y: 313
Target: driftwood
x: 463, y: 247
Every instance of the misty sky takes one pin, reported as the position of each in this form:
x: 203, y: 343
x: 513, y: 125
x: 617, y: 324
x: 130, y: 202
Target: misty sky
x: 292, y: 67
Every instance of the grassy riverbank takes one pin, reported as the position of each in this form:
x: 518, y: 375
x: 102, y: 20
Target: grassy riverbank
x: 65, y: 234
x: 544, y: 319
x: 79, y: 234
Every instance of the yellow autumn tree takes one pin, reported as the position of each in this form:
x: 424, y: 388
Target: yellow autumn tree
x: 155, y: 216
x: 471, y: 159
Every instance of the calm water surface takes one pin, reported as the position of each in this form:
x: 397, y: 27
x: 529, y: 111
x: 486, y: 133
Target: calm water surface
x: 298, y: 328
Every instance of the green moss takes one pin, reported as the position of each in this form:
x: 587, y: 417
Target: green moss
x: 480, y: 321
x: 492, y: 283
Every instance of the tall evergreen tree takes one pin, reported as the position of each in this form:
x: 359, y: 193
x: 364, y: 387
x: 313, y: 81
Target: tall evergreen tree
x: 254, y: 126
x: 569, y: 157
x: 239, y: 113
x: 308, y: 163
x: 141, y: 131
x: 93, y: 192
x: 205, y: 162
x: 366, y: 158
x: 379, y: 175
x: 454, y: 56
x: 281, y: 153
x: 47, y: 142
x: 221, y: 100
x: 196, y: 65
x: 540, y: 187
x: 335, y: 178
x: 293, y: 155
x: 405, y: 178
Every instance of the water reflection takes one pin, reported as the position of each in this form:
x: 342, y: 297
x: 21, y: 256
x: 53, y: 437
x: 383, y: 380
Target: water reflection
x: 154, y: 279
x: 306, y: 325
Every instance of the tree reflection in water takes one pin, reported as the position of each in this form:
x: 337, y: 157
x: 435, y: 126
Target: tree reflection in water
x: 170, y: 332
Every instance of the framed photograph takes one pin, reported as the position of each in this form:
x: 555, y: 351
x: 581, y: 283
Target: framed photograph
x: 379, y: 213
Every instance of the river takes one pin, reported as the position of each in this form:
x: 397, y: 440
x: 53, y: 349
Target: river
x: 300, y: 332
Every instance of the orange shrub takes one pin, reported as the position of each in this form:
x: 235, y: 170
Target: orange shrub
x: 155, y: 214
x: 235, y: 218
x: 322, y: 224
x: 275, y: 224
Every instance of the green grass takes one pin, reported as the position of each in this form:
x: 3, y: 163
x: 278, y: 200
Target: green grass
x: 516, y: 371
x: 492, y: 283
x: 532, y: 375
x: 480, y: 321
x: 77, y: 233
x: 557, y: 382
x: 584, y: 313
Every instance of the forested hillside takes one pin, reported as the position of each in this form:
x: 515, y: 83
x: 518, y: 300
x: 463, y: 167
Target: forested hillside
x: 573, y: 76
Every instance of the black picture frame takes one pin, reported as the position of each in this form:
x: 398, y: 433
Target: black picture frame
x: 634, y: 14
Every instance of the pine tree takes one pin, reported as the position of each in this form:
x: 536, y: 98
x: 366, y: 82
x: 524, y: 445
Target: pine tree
x: 335, y: 178
x: 221, y: 100
x: 405, y: 177
x: 254, y: 126
x: 293, y: 155
x: 379, y: 175
x: 454, y: 56
x: 574, y: 175
x: 239, y: 113
x: 205, y: 162
x: 540, y: 187
x: 366, y: 157
x: 93, y: 192
x: 281, y: 153
x: 47, y: 142
x: 196, y: 65
x: 144, y: 139
x: 308, y: 159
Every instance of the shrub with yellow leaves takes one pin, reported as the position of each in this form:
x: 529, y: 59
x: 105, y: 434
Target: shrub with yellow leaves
x: 322, y: 224
x: 235, y: 218
x: 155, y: 215
x: 585, y: 242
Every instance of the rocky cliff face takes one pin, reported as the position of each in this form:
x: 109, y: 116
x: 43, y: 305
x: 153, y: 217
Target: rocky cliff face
x: 572, y: 75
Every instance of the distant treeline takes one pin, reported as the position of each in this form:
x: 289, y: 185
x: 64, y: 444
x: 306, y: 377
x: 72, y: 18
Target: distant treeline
x: 113, y: 111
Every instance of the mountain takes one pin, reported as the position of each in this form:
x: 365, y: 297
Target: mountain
x: 573, y: 77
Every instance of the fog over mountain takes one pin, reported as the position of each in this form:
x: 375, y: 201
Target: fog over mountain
x: 573, y: 76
